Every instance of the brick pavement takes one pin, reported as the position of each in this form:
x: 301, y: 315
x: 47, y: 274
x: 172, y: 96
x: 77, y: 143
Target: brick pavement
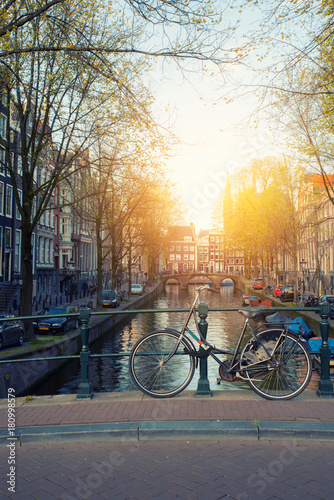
x: 181, y: 469
x: 133, y: 406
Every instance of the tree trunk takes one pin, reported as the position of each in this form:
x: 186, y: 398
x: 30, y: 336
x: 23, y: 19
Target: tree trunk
x: 27, y: 281
x: 99, y: 269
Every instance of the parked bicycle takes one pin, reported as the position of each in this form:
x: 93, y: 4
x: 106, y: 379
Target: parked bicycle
x: 123, y: 295
x: 273, y: 361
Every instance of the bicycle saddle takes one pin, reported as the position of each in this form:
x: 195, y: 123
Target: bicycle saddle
x: 250, y: 314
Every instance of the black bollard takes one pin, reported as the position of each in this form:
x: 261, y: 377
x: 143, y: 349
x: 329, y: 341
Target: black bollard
x: 325, y: 386
x: 85, y: 389
x: 203, y: 386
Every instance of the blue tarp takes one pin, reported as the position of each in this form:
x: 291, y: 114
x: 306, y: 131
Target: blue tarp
x: 300, y: 324
x: 303, y: 326
x: 315, y: 344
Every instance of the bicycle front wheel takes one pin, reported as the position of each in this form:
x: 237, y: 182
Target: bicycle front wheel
x: 277, y: 365
x: 152, y: 371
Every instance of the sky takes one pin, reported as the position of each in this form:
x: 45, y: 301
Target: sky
x: 216, y: 138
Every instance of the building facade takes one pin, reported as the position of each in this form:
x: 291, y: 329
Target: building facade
x: 181, y: 255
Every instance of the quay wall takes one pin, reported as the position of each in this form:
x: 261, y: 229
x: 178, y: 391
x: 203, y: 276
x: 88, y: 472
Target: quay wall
x: 23, y: 376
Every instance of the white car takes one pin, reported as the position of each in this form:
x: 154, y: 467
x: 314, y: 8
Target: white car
x: 136, y: 289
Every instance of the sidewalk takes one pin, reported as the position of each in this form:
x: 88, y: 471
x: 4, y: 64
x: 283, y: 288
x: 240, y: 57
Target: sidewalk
x: 134, y: 416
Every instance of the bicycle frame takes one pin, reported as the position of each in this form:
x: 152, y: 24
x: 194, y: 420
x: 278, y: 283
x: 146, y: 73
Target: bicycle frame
x: 212, y: 350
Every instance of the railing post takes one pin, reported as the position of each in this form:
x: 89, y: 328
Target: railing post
x: 325, y: 386
x: 85, y: 388
x: 203, y: 387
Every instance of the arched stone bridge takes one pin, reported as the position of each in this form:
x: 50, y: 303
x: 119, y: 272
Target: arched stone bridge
x: 184, y: 279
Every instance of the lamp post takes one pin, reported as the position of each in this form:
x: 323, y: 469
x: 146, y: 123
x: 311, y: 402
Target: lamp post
x: 303, y: 265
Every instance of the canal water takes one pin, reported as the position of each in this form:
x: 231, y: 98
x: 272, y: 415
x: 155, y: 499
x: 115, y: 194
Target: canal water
x: 110, y: 374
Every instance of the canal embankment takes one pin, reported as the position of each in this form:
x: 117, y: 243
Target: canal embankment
x: 21, y: 375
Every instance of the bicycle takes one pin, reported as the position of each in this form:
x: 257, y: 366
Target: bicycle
x: 274, y: 362
x: 123, y: 296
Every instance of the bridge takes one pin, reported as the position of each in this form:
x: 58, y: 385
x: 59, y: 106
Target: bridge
x: 184, y: 279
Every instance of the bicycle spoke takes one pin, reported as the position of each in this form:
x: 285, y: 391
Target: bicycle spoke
x: 157, y: 369
x: 288, y: 369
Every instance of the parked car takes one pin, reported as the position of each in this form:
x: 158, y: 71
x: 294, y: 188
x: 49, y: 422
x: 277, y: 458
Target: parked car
x: 11, y: 330
x: 57, y: 326
x: 110, y: 298
x: 277, y: 290
x: 258, y: 284
x: 287, y: 293
x: 136, y: 289
x: 329, y: 299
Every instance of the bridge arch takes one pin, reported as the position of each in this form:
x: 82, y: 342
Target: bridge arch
x: 184, y: 279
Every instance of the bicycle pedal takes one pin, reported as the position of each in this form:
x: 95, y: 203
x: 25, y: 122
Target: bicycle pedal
x: 219, y: 380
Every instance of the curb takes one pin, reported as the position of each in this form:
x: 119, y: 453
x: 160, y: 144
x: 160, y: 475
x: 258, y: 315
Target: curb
x: 193, y: 430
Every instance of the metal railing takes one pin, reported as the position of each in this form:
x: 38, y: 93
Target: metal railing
x: 325, y: 385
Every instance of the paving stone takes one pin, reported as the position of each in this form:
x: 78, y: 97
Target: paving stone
x: 181, y: 470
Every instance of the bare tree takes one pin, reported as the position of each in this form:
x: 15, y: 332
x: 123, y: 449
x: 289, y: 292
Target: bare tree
x: 56, y: 104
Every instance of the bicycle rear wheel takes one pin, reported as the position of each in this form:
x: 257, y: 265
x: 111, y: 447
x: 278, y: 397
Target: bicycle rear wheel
x: 277, y: 365
x: 148, y: 369
x: 124, y: 296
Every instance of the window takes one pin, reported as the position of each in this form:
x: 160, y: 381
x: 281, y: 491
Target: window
x: 8, y: 237
x: 9, y: 200
x: 3, y: 122
x: 17, y: 262
x: 178, y: 256
x: 19, y: 165
x: 192, y: 248
x: 2, y: 161
x: 172, y: 256
x: 178, y: 248
x: 2, y: 196
x: 185, y: 257
x: 192, y: 256
x: 185, y: 249
x: 18, y: 214
x: 171, y: 249
x: 1, y: 249
x: 47, y: 250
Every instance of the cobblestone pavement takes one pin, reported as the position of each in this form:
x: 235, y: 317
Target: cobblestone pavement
x: 212, y: 470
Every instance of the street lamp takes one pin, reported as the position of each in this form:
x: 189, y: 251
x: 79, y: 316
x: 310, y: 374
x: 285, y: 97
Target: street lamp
x: 303, y: 265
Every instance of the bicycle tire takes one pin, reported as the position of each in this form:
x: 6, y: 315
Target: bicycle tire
x: 285, y: 380
x: 150, y: 375
x: 124, y: 296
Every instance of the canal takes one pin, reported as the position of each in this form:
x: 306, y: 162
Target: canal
x: 110, y: 374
